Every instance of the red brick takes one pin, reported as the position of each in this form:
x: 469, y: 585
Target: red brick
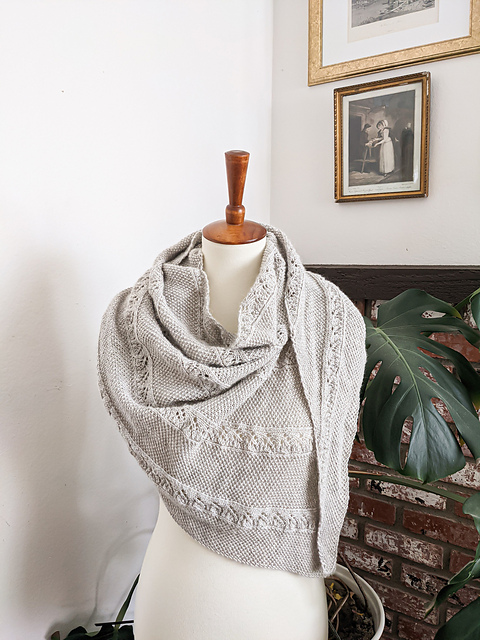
x: 427, y: 374
x: 375, y: 370
x: 457, y: 342
x: 451, y: 611
x: 458, y: 560
x: 374, y: 308
x: 468, y: 316
x: 404, y: 602
x: 368, y: 507
x: 360, y: 453
x: 465, y: 450
x: 408, y: 494
x: 406, y: 431
x: 354, y: 483
x: 389, y: 619
x: 413, y: 630
x: 421, y: 580
x: 402, y: 545
x: 458, y: 509
x: 425, y: 582
x: 365, y: 559
x: 360, y: 304
x: 468, y: 477
x: 441, y: 407
x: 350, y: 529
x: 441, y: 528
x: 464, y: 596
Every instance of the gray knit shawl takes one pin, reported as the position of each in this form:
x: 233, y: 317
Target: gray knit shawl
x: 246, y: 436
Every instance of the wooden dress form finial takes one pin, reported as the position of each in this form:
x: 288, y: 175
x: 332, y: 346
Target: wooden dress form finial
x: 235, y: 230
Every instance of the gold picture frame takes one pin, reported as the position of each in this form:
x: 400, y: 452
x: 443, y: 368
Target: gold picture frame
x: 407, y: 46
x: 381, y: 139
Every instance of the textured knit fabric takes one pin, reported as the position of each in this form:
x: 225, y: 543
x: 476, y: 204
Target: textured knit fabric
x: 246, y: 436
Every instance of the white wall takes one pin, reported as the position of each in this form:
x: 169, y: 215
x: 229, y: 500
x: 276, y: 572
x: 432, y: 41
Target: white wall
x: 441, y: 229
x: 114, y: 117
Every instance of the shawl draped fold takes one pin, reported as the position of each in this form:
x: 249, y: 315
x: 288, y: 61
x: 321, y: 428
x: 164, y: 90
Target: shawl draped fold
x: 247, y: 436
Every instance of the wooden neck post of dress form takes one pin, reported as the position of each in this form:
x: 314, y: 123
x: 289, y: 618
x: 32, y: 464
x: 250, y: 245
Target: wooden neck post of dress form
x: 235, y: 230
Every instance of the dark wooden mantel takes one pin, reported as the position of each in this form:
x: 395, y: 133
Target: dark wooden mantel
x: 378, y: 282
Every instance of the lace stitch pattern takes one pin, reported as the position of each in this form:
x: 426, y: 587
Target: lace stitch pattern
x: 240, y: 435
x: 141, y: 358
x: 258, y: 297
x: 331, y: 369
x: 233, y: 514
x: 279, y: 519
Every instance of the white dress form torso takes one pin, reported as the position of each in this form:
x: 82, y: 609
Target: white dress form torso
x: 188, y: 592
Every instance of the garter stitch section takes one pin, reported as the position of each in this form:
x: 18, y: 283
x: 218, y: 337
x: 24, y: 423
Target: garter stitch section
x: 246, y: 436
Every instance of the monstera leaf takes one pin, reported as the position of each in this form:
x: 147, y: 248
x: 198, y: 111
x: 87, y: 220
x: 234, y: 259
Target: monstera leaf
x: 465, y: 625
x: 475, y: 302
x: 408, y: 380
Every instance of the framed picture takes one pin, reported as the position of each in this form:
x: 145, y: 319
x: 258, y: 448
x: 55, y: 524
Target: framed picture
x: 381, y: 139
x: 353, y: 37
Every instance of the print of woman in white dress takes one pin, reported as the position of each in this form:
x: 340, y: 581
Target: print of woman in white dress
x: 386, y: 162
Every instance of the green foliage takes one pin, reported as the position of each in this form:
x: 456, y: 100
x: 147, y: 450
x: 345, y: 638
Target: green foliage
x: 408, y: 378
x: 469, y: 572
x: 471, y: 507
x: 108, y: 630
x: 465, y: 625
x: 475, y: 302
x: 400, y: 346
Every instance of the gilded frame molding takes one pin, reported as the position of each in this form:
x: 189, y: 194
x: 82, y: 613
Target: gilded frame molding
x: 423, y: 151
x: 319, y: 74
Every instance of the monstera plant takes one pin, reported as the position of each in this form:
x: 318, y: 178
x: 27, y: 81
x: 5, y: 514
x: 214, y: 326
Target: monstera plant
x: 405, y: 392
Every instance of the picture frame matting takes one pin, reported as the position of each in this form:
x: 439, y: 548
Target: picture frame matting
x: 410, y: 51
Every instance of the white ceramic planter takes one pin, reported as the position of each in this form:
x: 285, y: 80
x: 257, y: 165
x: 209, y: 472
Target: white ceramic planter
x: 374, y: 603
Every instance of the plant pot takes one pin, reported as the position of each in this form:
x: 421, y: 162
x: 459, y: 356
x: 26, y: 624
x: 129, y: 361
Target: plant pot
x: 374, y: 603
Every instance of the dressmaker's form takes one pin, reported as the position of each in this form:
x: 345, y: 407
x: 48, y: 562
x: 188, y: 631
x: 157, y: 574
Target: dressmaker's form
x: 187, y: 591
x: 234, y: 376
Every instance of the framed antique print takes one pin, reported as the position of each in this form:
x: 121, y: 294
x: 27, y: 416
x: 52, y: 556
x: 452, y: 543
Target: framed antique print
x: 348, y: 38
x: 381, y: 139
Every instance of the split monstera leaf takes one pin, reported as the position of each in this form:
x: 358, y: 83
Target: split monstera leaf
x: 407, y: 382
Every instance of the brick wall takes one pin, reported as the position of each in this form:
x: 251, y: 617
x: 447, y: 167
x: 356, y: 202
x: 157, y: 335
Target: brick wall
x: 407, y: 543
